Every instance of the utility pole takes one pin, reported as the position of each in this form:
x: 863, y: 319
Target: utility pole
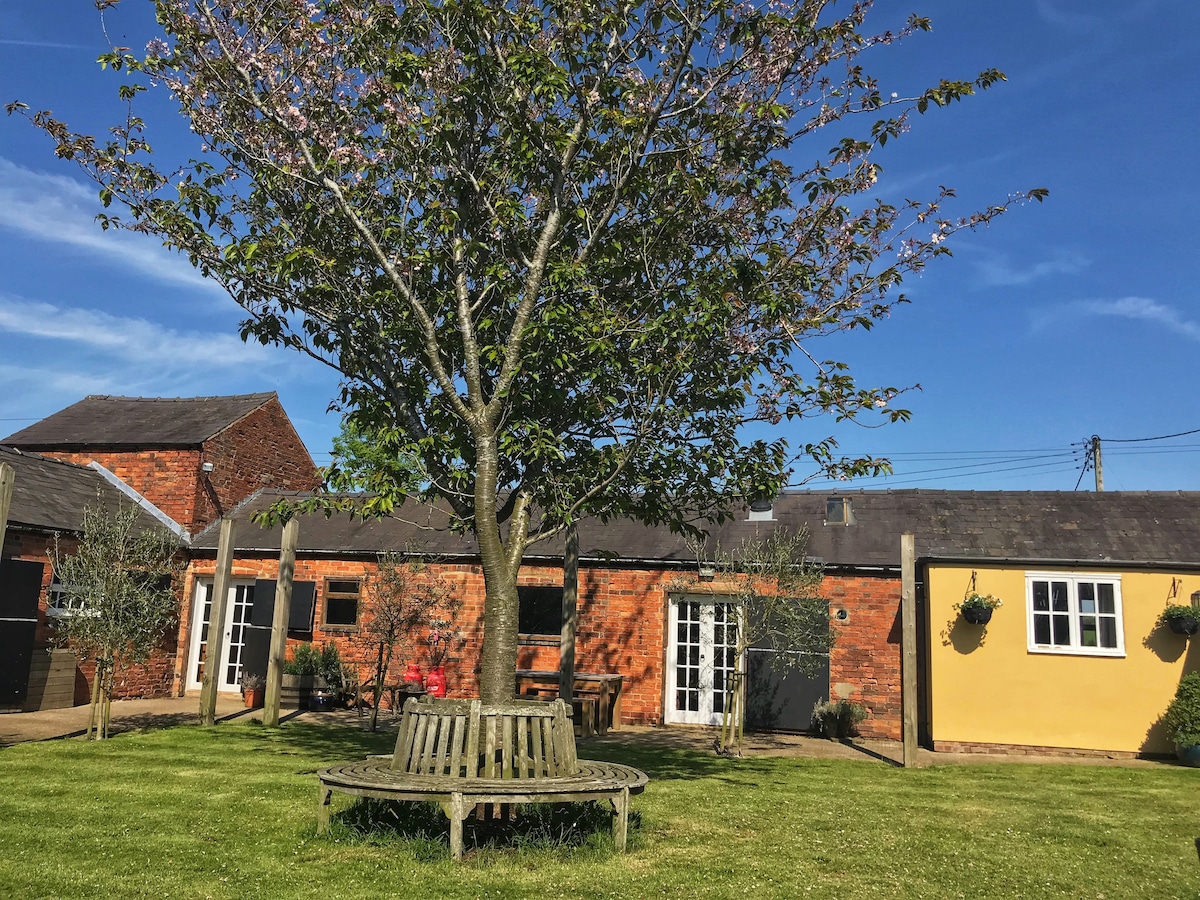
x: 1096, y: 462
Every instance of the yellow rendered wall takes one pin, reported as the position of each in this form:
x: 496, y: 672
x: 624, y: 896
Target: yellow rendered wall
x: 986, y: 687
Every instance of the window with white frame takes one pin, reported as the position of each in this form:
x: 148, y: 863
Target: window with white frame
x: 1075, y: 614
x: 58, y: 601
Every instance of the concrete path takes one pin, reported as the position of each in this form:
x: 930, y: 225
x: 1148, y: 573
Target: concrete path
x: 132, y: 715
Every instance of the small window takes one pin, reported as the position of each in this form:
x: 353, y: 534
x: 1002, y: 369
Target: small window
x: 341, y: 603
x: 58, y: 602
x: 838, y: 511
x: 1078, y: 614
x: 540, y: 616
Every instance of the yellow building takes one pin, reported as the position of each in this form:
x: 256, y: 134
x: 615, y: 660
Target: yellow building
x: 1075, y: 658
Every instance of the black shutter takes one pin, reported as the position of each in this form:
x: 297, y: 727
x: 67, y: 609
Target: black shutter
x: 304, y: 598
x: 20, y: 588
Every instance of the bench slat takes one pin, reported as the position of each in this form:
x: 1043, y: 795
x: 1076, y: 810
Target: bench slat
x: 473, y: 739
x: 456, y: 752
x: 441, y: 764
x: 489, y: 753
x: 506, y: 749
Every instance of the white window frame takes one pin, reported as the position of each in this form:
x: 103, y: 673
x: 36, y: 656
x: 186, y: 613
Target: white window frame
x: 1073, y: 579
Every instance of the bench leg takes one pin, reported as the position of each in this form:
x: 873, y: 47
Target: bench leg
x: 456, y: 810
x: 324, y: 797
x: 621, y: 819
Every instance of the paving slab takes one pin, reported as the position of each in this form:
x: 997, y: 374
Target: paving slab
x: 133, y: 715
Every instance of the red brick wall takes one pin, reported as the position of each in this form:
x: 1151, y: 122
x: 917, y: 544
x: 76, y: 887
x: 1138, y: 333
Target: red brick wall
x: 865, y: 660
x: 153, y: 679
x: 622, y: 615
x: 259, y: 450
x: 167, y: 478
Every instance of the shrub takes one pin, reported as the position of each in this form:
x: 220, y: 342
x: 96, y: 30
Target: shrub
x: 329, y: 666
x: 1183, y: 715
x: 306, y: 660
x: 836, y: 719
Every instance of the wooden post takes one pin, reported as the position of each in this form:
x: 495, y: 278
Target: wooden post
x: 279, y: 621
x: 216, y: 624
x: 908, y: 648
x: 1096, y: 463
x: 7, y: 477
x: 570, y: 616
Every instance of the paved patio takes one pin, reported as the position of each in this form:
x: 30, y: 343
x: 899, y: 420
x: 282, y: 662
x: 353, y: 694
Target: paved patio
x: 134, y: 715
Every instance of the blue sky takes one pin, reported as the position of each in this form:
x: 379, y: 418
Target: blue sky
x: 1062, y: 320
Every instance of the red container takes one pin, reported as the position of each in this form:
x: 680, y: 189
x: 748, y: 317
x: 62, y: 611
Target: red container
x: 435, y: 683
x: 412, y: 675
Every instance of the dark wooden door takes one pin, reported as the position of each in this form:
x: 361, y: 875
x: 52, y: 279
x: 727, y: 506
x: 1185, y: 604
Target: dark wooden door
x: 20, y: 587
x: 780, y: 697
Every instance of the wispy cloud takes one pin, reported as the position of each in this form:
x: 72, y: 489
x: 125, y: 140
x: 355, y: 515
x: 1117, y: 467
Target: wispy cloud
x: 1062, y: 15
x: 998, y: 270
x: 62, y: 211
x: 135, y: 342
x: 1141, y: 309
x: 51, y: 45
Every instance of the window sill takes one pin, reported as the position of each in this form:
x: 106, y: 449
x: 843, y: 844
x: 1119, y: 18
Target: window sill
x: 1118, y: 653
x: 340, y: 629
x: 539, y: 640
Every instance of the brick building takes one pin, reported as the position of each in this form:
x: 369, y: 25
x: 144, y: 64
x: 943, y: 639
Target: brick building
x: 192, y: 457
x: 48, y: 500
x: 637, y: 587
x: 183, y: 461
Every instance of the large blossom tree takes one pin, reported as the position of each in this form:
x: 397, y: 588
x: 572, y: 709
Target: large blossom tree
x: 564, y: 253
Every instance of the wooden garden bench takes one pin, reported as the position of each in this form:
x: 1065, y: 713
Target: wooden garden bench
x: 462, y: 753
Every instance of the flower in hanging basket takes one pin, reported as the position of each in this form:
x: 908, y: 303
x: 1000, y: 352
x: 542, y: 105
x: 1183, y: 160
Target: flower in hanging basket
x: 977, y: 608
x: 1181, y: 619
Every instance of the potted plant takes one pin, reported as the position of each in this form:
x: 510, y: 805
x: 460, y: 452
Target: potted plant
x: 977, y: 608
x: 254, y: 690
x: 1182, y: 720
x: 1181, y: 619
x: 836, y: 720
x: 300, y: 673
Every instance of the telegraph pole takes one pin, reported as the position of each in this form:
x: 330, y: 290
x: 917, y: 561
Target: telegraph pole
x: 1096, y: 462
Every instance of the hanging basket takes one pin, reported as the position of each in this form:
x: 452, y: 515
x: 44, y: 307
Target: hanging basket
x: 1188, y: 625
x: 977, y: 615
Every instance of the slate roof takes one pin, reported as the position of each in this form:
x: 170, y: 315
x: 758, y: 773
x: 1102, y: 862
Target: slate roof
x: 1142, y: 528
x: 136, y: 422
x: 50, y: 495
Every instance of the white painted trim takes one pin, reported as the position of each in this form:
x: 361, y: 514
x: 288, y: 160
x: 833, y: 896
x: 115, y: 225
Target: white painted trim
x: 142, y: 502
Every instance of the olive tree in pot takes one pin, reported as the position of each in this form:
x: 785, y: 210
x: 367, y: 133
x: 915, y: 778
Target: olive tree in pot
x: 1182, y: 720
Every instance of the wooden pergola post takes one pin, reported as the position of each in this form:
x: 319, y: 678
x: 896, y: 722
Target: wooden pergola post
x: 570, y: 615
x: 216, y: 624
x: 908, y: 648
x: 279, y: 621
x: 7, y: 478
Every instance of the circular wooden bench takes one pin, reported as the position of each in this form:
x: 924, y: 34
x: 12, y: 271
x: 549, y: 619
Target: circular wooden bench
x: 461, y: 753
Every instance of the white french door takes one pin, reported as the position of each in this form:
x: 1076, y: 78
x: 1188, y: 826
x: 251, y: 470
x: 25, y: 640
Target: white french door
x: 702, y: 656
x: 237, y: 616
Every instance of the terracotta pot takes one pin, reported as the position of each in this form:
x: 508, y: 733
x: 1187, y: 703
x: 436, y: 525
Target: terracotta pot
x: 977, y: 615
x: 255, y: 697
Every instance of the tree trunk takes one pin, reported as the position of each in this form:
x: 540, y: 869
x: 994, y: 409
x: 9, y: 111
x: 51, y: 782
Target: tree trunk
x: 94, y: 708
x: 498, y: 657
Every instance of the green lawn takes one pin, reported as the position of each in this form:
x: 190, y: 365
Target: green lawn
x: 230, y: 812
